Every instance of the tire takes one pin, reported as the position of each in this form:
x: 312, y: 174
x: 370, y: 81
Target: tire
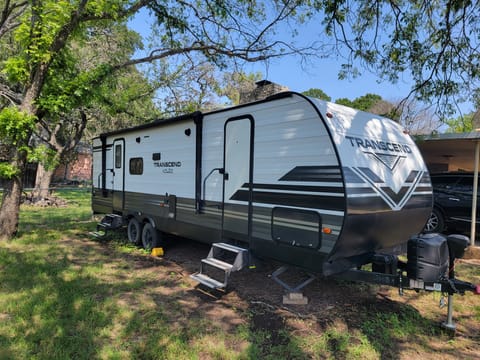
x: 151, y: 238
x: 435, y: 223
x: 134, y: 231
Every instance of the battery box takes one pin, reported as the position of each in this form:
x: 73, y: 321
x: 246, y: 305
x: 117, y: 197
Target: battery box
x: 428, y: 257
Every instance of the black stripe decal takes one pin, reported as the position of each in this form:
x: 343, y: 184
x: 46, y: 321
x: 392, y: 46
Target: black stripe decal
x: 396, y: 196
x: 371, y: 175
x: 362, y: 190
x: 327, y: 189
x: 376, y: 203
x: 411, y: 178
x: 425, y: 178
x: 351, y: 177
x: 297, y: 200
x: 314, y: 174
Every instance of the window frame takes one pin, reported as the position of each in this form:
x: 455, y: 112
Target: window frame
x: 135, y: 166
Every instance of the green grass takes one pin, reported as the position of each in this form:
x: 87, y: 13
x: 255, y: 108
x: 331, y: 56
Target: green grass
x: 63, y: 296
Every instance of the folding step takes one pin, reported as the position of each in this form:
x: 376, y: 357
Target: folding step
x: 218, y: 264
x: 97, y: 234
x: 229, y: 253
x: 222, y: 260
x: 229, y: 247
x: 110, y: 221
x: 207, y: 281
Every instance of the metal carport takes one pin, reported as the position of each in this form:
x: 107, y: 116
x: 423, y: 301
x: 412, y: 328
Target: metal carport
x: 454, y: 152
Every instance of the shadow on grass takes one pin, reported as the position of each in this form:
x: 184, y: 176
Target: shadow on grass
x: 390, y: 326
x: 52, y: 311
x: 77, y: 299
x: 62, y: 305
x: 270, y: 335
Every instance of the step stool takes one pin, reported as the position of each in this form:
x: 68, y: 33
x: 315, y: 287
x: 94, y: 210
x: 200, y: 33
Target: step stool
x: 109, y: 222
x: 222, y: 260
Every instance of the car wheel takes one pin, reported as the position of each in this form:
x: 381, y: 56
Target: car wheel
x: 134, y: 231
x: 151, y: 238
x: 435, y: 222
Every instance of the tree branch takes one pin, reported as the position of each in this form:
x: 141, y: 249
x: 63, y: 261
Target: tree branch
x: 10, y: 13
x: 13, y: 97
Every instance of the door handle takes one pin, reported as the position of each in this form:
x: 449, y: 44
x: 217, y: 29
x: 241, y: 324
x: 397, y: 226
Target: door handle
x: 453, y: 199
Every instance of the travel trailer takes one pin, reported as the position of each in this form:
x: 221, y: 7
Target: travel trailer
x: 305, y: 182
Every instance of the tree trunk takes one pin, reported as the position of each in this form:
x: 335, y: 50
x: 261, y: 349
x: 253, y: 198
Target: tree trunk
x: 10, y: 208
x: 9, y: 211
x: 42, y: 183
x: 12, y: 192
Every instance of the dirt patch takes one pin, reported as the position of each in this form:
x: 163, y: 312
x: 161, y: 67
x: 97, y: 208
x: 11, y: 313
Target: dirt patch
x: 336, y: 310
x: 473, y: 252
x: 48, y: 201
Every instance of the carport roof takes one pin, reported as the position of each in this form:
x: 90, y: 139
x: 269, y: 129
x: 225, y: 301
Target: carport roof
x: 449, y: 152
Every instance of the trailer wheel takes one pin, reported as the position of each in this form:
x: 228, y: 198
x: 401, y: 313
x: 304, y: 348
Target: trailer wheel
x: 435, y: 222
x: 151, y: 238
x: 134, y: 231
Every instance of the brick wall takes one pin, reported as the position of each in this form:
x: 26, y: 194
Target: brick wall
x: 79, y: 169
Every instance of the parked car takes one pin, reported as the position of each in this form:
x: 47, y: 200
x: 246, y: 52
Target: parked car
x: 452, y: 208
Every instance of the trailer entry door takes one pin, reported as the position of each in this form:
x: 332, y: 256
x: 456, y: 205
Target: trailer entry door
x: 238, y: 177
x: 118, y: 174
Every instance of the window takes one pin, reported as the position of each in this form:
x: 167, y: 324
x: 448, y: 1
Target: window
x: 136, y: 166
x: 444, y: 182
x: 465, y: 184
x: 118, y: 156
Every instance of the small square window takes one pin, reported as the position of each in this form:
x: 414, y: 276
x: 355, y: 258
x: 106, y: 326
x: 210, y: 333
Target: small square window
x: 136, y: 166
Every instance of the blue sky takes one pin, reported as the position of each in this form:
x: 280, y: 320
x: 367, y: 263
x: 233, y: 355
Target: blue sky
x: 321, y: 73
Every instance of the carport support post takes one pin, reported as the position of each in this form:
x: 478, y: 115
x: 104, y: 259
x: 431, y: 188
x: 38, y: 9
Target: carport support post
x: 475, y: 192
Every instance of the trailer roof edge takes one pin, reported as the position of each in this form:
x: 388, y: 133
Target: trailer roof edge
x: 195, y: 115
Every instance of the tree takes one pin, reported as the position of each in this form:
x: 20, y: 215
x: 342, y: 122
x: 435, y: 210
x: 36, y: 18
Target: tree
x: 460, y: 124
x: 33, y: 83
x: 189, y: 87
x: 237, y: 83
x: 416, y: 119
x: 364, y: 102
x: 53, y: 146
x: 317, y: 93
x: 345, y: 102
x: 121, y: 101
x: 433, y: 42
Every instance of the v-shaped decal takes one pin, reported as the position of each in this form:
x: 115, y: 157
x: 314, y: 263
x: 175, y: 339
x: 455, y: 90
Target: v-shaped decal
x: 396, y: 200
x: 389, y: 160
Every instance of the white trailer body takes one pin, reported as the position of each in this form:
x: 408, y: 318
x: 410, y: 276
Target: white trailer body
x: 303, y: 181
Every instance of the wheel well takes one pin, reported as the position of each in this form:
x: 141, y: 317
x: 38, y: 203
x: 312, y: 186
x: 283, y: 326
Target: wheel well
x: 141, y: 219
x: 149, y: 220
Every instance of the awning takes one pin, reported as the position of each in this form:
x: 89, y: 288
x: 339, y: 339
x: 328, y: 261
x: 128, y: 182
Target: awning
x: 454, y: 152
